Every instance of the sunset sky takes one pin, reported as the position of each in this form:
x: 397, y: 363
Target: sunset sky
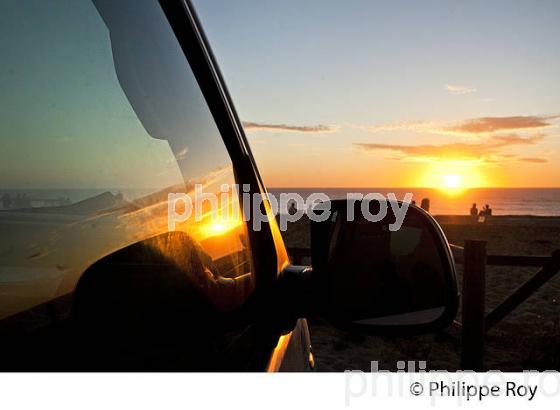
x: 387, y: 94
x: 456, y: 94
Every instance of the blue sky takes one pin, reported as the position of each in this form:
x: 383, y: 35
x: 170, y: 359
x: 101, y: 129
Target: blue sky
x: 355, y: 93
x: 361, y: 64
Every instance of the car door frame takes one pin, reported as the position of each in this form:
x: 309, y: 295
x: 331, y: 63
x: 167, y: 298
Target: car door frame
x: 292, y: 348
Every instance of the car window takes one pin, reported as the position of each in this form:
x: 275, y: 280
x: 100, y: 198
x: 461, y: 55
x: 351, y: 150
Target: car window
x: 101, y: 119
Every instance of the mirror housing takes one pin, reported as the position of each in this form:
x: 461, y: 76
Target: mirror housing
x: 372, y: 276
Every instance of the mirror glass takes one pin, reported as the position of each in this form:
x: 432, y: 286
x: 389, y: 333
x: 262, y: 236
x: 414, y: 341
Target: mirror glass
x: 383, y: 272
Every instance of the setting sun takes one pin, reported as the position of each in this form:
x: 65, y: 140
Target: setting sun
x: 453, y: 177
x: 451, y: 181
x: 452, y: 184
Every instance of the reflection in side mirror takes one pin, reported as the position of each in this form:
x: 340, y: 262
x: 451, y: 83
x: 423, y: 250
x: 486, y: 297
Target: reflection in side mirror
x: 373, y: 278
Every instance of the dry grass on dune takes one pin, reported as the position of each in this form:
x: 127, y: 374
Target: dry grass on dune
x: 527, y: 339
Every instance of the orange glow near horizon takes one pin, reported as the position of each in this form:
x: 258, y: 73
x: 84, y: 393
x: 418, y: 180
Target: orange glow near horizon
x: 345, y: 170
x: 453, y: 178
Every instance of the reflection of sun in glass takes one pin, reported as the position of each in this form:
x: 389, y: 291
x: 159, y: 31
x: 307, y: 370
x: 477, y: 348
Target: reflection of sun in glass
x: 217, y: 228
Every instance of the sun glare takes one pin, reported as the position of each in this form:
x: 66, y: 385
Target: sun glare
x: 217, y: 228
x: 451, y: 181
x: 453, y: 178
x: 452, y: 184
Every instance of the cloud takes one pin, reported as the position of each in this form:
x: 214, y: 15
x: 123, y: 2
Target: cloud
x: 473, y: 126
x: 534, y: 160
x: 254, y: 126
x: 514, y: 139
x: 459, y: 89
x: 490, y: 150
x: 490, y: 125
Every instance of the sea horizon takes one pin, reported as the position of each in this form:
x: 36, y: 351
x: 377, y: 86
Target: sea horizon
x: 503, y: 201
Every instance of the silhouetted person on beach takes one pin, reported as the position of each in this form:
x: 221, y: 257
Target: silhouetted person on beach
x: 474, y: 210
x: 425, y: 204
x: 487, y: 210
x: 474, y: 213
x: 292, y: 209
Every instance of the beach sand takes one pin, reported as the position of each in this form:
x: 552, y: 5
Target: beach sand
x: 526, y: 339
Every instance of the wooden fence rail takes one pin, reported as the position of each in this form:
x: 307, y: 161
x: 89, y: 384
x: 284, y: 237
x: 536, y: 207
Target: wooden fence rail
x: 475, y: 323
x: 550, y: 267
x: 474, y: 326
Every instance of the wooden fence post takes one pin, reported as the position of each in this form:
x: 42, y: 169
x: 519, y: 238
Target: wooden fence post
x: 474, y: 283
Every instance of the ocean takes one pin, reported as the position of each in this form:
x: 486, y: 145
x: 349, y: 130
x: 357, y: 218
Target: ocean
x: 503, y: 201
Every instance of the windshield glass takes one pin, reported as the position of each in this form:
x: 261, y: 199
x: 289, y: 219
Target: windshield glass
x: 101, y: 118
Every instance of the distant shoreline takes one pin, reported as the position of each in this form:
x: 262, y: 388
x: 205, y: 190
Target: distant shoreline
x: 388, y: 188
x: 514, y: 216
x: 467, y: 218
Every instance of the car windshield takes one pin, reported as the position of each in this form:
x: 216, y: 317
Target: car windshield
x: 101, y: 118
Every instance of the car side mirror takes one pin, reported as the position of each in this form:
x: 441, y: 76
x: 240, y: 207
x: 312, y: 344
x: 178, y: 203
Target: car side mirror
x: 373, y: 276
